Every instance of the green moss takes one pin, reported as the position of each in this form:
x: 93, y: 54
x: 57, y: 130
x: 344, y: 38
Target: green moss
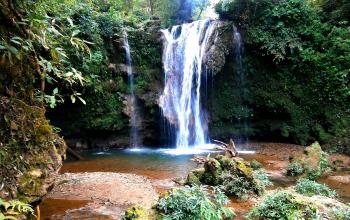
x: 135, y: 213
x: 313, y: 164
x: 245, y: 169
x: 255, y: 165
x: 31, y: 151
x: 226, y: 163
x: 232, y: 175
x: 193, y: 179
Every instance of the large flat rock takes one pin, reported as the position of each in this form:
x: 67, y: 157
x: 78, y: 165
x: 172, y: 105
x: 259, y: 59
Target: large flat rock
x: 109, y: 194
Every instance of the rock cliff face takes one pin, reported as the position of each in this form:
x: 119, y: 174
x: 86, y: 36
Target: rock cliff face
x: 219, y: 46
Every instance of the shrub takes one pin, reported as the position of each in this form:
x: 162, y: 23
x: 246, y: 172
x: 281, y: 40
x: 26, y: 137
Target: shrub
x: 262, y: 177
x: 310, y: 188
x: 193, y: 203
x: 295, y: 169
x: 282, y: 205
x: 13, y: 209
x: 255, y: 165
x: 234, y: 185
x: 341, y: 214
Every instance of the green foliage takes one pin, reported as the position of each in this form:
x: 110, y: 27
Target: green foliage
x: 262, y: 177
x: 53, y: 65
x: 255, y: 165
x: 231, y: 175
x: 339, y: 148
x: 282, y: 205
x: 341, y: 213
x: 103, y: 24
x: 14, y: 209
x: 193, y: 203
x: 310, y: 188
x: 288, y: 45
x: 135, y: 213
x: 337, y: 11
x: 234, y: 185
x: 295, y: 169
x: 174, y: 12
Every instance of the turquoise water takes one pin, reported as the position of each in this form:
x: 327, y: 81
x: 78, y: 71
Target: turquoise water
x: 157, y: 164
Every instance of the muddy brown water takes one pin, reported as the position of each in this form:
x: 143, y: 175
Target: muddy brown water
x: 159, y: 166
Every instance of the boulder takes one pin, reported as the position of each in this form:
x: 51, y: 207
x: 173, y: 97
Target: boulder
x: 222, y: 171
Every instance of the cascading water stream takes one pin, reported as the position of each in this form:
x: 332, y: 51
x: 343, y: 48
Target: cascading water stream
x: 134, y: 141
x: 184, y: 51
x: 238, y: 50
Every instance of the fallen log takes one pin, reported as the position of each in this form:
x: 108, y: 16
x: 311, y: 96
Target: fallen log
x: 230, y: 148
x: 74, y: 154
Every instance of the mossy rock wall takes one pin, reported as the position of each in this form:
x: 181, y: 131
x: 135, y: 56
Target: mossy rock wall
x: 30, y: 151
x: 105, y: 119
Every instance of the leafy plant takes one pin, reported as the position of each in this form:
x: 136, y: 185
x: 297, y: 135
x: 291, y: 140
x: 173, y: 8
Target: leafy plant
x: 310, y: 188
x: 295, y: 169
x: 193, y: 203
x: 13, y: 209
x: 282, y: 205
x: 255, y: 165
x: 262, y: 177
x: 234, y: 185
x: 341, y: 213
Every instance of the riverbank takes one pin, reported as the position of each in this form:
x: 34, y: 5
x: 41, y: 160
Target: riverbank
x: 136, y: 178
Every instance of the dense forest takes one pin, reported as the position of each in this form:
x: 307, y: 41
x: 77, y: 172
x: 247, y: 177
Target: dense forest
x: 275, y: 71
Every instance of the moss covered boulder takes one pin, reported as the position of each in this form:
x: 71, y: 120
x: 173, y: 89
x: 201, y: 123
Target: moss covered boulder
x: 30, y: 150
x: 233, y: 175
x: 312, y: 164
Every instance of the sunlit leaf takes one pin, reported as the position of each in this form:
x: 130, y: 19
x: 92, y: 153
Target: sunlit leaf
x: 72, y: 97
x: 70, y: 22
x: 75, y: 33
x: 82, y: 100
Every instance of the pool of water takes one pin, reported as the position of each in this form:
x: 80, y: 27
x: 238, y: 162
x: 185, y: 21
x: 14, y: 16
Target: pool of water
x: 153, y: 163
x: 159, y: 164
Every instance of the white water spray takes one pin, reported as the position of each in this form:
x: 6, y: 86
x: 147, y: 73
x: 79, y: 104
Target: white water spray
x: 184, y: 50
x: 238, y: 51
x: 134, y: 141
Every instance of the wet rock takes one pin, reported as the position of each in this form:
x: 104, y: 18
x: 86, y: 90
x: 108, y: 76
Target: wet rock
x: 217, y: 48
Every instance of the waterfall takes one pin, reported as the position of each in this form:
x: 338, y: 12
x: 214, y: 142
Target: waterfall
x: 238, y: 51
x: 183, y: 55
x: 134, y: 141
